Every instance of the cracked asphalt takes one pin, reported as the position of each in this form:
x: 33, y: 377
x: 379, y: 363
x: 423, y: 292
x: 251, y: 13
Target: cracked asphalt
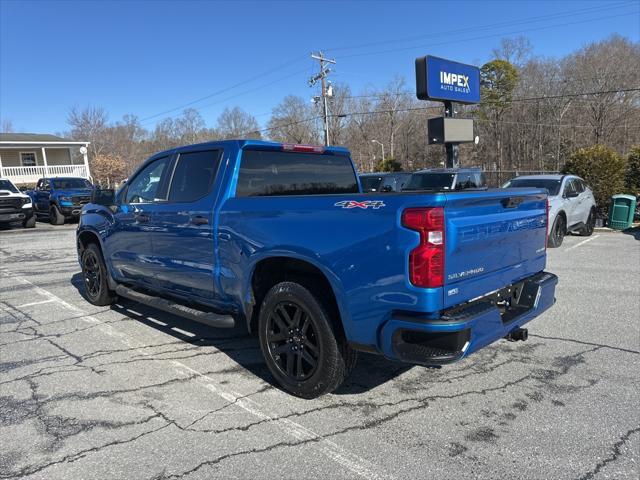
x: 131, y: 393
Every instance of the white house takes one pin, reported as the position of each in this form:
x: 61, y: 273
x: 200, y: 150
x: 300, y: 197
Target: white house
x: 26, y: 157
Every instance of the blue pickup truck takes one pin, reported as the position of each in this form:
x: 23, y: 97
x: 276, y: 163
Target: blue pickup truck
x: 60, y: 198
x: 282, y: 239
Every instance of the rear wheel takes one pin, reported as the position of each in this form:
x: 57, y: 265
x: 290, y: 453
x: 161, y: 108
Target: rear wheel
x: 587, y: 230
x: 94, y: 274
x: 303, y: 351
x: 55, y: 217
x: 558, y: 231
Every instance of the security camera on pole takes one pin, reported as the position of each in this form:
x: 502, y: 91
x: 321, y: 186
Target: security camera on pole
x: 447, y: 81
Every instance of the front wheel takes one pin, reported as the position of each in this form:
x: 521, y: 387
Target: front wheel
x: 94, y: 274
x: 303, y: 351
x: 30, y: 222
x: 558, y: 231
x: 55, y: 217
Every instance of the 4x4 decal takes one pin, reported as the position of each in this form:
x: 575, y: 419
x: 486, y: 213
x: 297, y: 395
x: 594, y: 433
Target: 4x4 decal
x: 375, y: 204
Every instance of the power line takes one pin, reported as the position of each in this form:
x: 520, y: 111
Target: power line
x: 417, y: 109
x: 565, y: 13
x: 482, y: 37
x: 236, y: 85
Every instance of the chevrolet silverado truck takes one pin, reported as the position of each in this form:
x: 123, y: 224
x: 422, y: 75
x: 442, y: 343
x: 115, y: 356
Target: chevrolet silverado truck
x: 281, y: 238
x: 15, y: 206
x: 60, y: 198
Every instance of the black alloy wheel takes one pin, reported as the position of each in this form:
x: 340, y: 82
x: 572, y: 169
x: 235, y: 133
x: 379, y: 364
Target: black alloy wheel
x: 292, y: 341
x: 557, y: 232
x: 302, y: 339
x: 590, y: 225
x: 94, y: 274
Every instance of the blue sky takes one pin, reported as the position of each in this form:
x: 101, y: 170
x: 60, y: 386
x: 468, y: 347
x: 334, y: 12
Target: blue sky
x: 148, y: 57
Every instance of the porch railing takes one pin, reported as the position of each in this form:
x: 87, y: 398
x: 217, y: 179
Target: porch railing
x: 21, y: 175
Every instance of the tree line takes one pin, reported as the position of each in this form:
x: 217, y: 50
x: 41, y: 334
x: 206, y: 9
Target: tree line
x: 535, y: 112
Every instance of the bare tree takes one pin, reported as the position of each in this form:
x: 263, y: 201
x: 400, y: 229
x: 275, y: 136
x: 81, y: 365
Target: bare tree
x: 6, y: 126
x: 293, y: 120
x: 89, y: 124
x: 236, y: 123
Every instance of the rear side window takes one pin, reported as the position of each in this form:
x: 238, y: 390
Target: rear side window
x: 193, y: 175
x: 266, y: 173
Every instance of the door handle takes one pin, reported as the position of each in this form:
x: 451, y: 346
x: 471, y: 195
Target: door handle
x: 199, y: 220
x: 142, y: 218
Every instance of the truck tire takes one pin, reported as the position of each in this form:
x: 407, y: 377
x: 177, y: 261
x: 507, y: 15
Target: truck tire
x: 55, y: 217
x: 558, y: 231
x: 30, y: 222
x: 587, y: 230
x: 94, y: 276
x: 300, y: 344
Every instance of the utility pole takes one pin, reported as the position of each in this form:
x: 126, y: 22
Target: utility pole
x: 324, y: 71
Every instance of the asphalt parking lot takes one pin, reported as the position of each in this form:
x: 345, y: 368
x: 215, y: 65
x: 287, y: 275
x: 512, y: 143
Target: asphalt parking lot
x: 127, y: 392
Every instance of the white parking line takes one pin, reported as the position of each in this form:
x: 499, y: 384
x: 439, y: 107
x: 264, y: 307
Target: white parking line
x: 35, y: 303
x: 582, y: 242
x: 330, y: 449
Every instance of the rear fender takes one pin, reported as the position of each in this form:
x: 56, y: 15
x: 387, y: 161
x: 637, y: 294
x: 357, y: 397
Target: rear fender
x: 297, y: 254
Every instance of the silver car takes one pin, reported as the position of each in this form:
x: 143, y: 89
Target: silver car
x: 572, y: 206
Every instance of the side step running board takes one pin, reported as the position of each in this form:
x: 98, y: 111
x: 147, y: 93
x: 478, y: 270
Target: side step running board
x: 208, y: 318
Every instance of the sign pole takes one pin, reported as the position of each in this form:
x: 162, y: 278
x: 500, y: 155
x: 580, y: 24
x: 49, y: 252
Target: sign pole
x: 450, y: 149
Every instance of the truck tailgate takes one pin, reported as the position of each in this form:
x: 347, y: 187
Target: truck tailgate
x: 493, y: 238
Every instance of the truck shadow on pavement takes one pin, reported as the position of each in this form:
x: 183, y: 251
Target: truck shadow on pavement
x: 371, y: 370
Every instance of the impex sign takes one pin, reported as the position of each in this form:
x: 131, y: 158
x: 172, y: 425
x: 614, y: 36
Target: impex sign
x: 444, y: 80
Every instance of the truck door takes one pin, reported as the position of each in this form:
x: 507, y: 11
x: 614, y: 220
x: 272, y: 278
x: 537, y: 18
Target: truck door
x: 183, y: 231
x: 129, y: 246
x: 43, y: 195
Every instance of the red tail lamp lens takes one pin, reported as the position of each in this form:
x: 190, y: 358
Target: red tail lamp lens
x: 426, y: 262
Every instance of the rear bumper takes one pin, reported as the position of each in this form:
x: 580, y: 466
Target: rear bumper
x: 466, y: 329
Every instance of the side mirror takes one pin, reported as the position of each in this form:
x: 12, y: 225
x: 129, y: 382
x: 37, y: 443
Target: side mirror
x: 572, y: 194
x: 106, y: 197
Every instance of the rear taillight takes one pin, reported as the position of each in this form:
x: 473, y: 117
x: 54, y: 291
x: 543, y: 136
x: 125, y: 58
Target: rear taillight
x: 546, y: 237
x: 426, y: 261
x: 290, y: 147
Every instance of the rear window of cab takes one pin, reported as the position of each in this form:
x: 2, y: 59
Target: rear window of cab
x: 275, y: 173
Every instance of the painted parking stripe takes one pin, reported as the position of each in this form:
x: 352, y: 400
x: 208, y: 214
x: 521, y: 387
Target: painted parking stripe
x: 35, y: 303
x: 328, y: 448
x: 583, y: 242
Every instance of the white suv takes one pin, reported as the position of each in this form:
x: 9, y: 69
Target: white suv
x: 15, y: 206
x: 572, y: 206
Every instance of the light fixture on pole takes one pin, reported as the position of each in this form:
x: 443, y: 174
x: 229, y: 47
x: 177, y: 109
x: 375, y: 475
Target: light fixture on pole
x: 382, y: 145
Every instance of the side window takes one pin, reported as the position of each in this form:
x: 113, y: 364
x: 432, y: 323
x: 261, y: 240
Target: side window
x: 39, y: 185
x: 193, y: 176
x: 464, y: 181
x: 569, y: 187
x: 46, y: 184
x: 579, y: 186
x: 145, y: 187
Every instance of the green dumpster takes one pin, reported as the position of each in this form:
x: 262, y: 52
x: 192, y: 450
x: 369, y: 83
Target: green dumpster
x: 621, y: 211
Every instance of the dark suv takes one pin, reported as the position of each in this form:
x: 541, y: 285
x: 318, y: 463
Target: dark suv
x: 383, y: 182
x: 446, y: 179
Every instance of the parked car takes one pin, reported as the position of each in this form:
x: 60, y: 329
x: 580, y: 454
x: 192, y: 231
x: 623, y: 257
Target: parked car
x: 383, y: 182
x: 446, y: 179
x: 15, y: 206
x: 282, y: 238
x: 60, y: 198
x: 572, y: 206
